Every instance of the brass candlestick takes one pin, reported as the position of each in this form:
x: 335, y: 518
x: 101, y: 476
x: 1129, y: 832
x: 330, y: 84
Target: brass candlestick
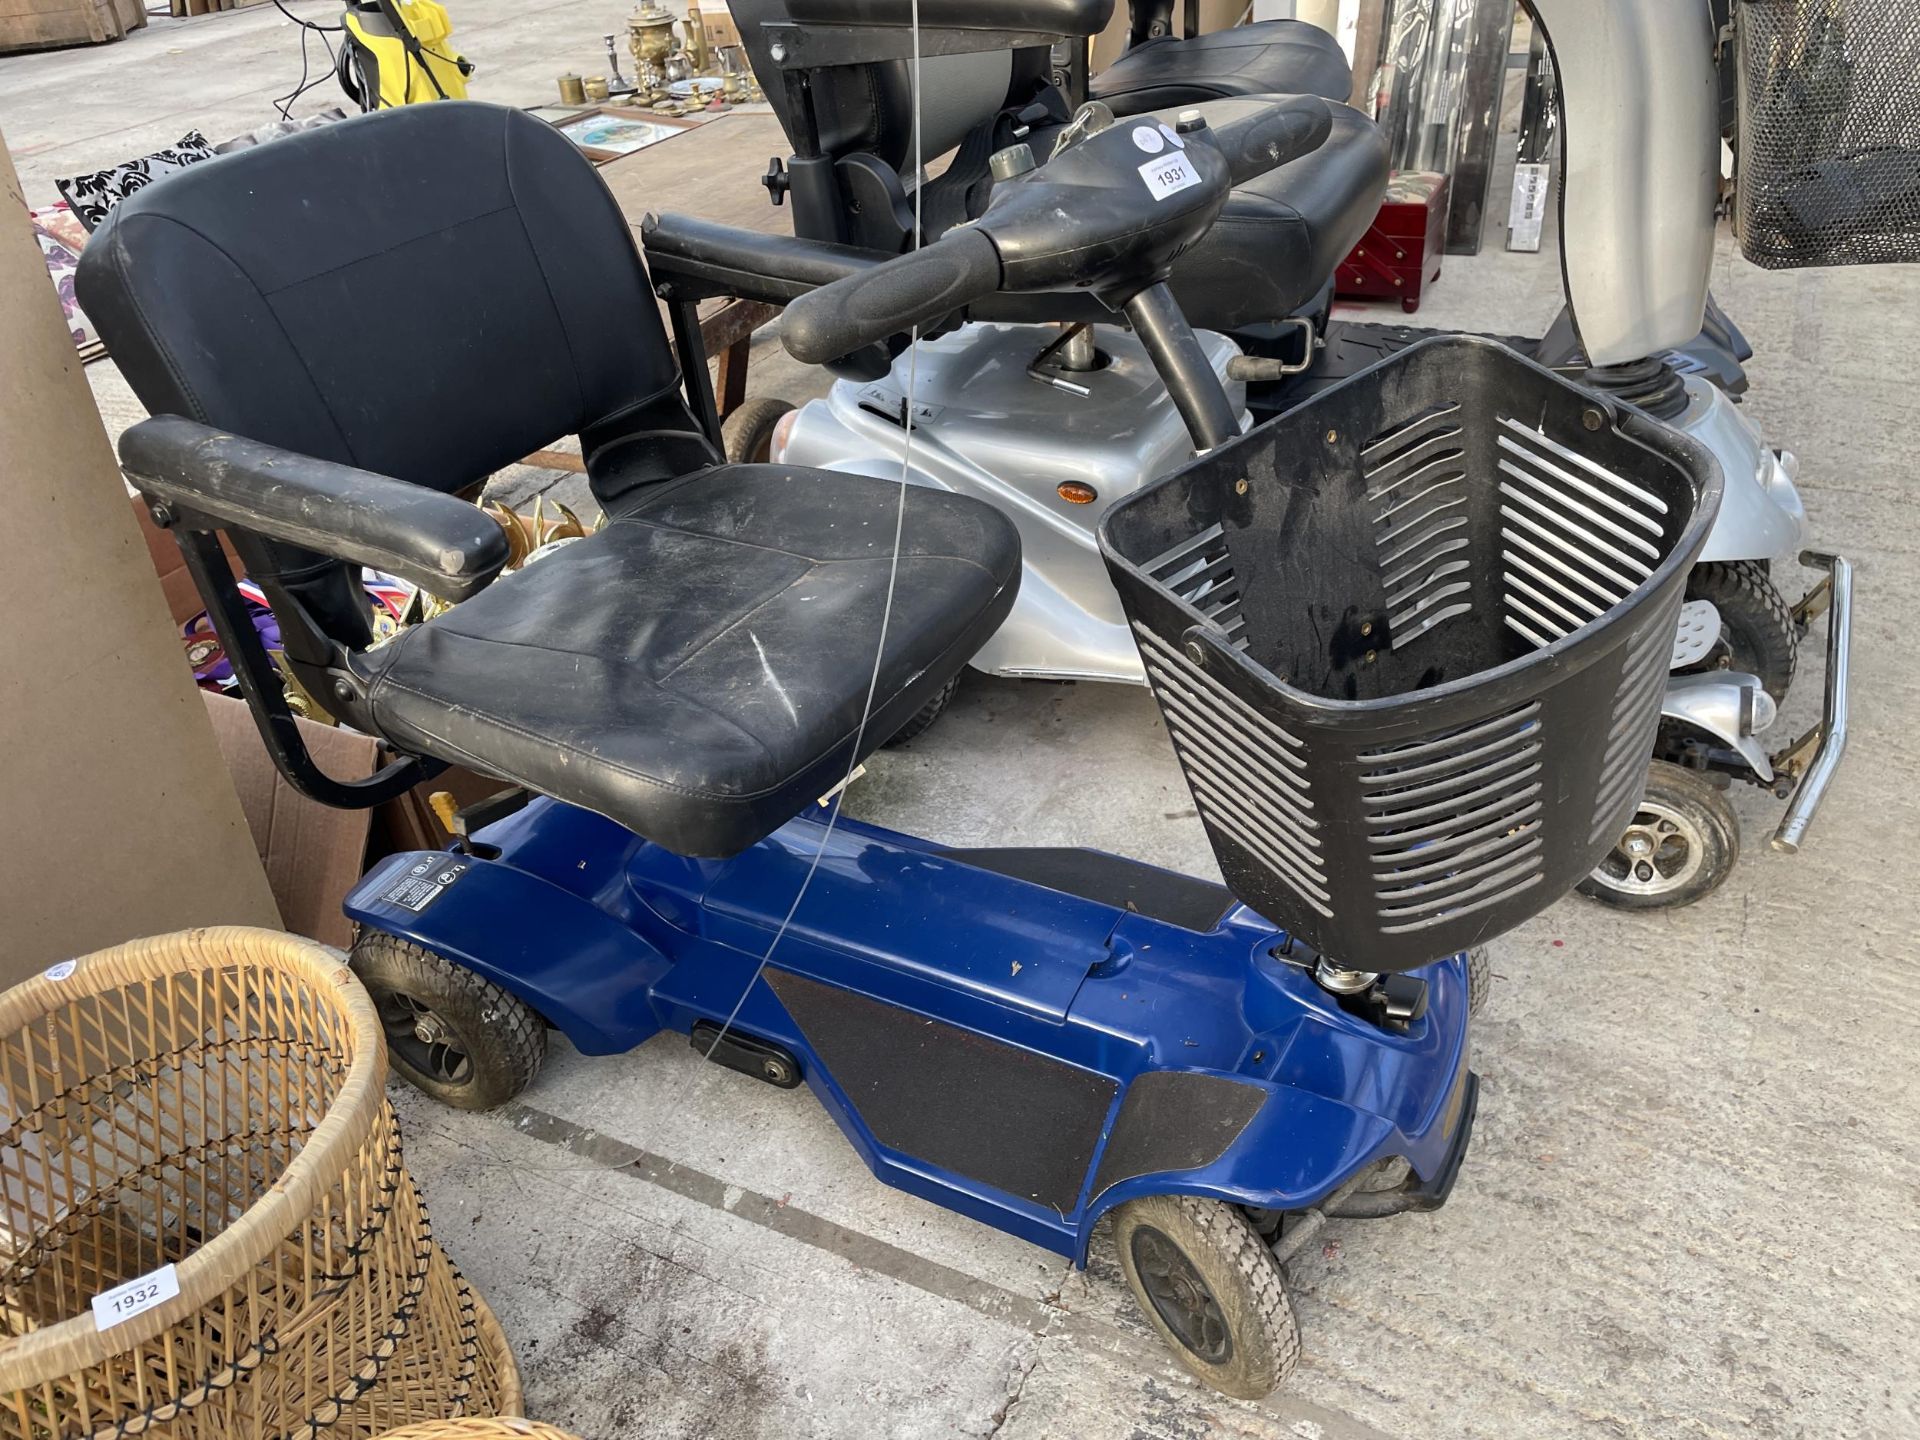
x: 616, y: 82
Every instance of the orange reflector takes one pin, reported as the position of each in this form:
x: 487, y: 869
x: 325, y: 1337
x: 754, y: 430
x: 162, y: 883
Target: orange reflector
x: 1075, y: 493
x: 782, y: 433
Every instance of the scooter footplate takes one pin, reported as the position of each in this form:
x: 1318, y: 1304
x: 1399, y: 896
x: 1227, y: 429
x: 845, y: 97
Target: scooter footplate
x: 994, y: 1113
x: 1176, y: 1120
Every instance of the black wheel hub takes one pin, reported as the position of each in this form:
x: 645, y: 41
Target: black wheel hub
x: 1180, y: 1297
x: 420, y: 1038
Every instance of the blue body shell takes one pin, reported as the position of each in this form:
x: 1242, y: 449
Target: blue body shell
x: 979, y: 1038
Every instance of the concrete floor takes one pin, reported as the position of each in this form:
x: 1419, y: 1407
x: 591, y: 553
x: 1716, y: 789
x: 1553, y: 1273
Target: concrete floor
x: 1692, y: 1208
x: 66, y: 112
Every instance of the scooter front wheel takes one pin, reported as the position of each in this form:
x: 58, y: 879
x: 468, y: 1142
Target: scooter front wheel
x: 1212, y: 1289
x: 450, y: 1033
x: 1679, y: 846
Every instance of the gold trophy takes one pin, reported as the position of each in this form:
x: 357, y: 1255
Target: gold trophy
x: 650, y: 38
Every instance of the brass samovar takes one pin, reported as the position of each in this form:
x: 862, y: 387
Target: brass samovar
x: 650, y: 38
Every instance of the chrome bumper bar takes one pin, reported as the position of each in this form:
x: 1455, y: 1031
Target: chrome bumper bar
x: 1829, y: 741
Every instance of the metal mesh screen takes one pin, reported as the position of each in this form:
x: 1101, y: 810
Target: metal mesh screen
x: 1829, y: 131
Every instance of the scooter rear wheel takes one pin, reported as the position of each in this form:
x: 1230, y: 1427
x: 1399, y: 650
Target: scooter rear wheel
x: 1755, y: 620
x: 450, y: 1033
x: 1212, y: 1289
x: 748, y: 431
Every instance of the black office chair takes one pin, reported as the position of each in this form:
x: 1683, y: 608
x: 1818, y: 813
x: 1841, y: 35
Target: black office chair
x: 337, y: 331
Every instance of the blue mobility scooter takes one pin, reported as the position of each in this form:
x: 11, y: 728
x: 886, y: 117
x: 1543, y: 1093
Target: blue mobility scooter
x: 1408, y: 643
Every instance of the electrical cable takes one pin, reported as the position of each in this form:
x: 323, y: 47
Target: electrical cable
x: 303, y: 23
x: 893, y: 572
x: 307, y: 28
x: 285, y: 104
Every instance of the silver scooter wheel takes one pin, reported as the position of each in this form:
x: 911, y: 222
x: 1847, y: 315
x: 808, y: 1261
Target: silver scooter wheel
x: 1681, y: 843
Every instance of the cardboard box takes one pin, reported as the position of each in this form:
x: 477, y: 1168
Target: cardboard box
x: 314, y: 853
x: 720, y: 27
x: 122, y: 822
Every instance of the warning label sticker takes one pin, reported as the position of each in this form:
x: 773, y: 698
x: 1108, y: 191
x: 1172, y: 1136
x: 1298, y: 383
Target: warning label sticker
x: 421, y: 883
x: 1531, y: 195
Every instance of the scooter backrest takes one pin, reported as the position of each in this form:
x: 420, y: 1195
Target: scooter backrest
x: 429, y: 293
x: 868, y: 108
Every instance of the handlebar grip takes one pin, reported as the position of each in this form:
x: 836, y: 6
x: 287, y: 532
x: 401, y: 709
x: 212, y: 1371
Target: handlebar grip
x: 1283, y: 131
x: 892, y: 297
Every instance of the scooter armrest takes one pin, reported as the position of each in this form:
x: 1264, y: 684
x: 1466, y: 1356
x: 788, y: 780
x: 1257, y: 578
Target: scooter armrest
x: 693, y: 259
x: 444, y: 545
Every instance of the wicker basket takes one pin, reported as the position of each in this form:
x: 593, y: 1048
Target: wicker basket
x: 473, y: 1427
x: 441, y: 1353
x: 207, y: 1108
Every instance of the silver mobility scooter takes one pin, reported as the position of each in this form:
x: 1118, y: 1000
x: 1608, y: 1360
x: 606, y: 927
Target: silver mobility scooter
x: 1039, y: 1039
x: 1050, y: 408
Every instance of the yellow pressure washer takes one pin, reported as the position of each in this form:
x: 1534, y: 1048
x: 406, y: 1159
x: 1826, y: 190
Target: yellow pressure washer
x: 397, y: 52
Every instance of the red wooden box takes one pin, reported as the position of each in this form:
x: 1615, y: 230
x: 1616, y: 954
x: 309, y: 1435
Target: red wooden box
x: 1400, y: 254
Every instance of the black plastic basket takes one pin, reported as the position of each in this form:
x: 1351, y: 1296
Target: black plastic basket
x: 1410, y: 640
x: 1829, y: 139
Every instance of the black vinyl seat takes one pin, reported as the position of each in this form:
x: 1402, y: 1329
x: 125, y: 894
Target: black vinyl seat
x: 697, y: 669
x: 1268, y: 57
x: 1280, y: 237
x: 403, y: 303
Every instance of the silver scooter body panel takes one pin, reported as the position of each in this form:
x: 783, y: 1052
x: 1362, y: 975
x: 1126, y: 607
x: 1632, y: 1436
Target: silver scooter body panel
x: 1640, y: 111
x: 985, y: 427
x: 1730, y: 707
x: 1761, y: 516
